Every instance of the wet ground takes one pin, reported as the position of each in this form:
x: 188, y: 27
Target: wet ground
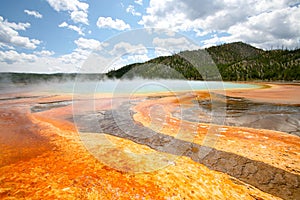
x: 243, y: 112
x: 19, y: 138
x: 118, y: 122
x: 239, y: 112
x: 39, y: 143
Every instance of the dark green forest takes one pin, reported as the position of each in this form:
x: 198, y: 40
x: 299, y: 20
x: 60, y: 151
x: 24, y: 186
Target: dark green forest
x: 235, y: 61
x: 239, y: 61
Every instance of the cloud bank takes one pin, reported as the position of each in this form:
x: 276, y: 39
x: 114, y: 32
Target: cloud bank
x: 262, y: 23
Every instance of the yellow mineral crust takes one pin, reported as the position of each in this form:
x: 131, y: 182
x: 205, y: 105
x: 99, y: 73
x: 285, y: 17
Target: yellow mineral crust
x: 278, y: 149
x: 69, y: 171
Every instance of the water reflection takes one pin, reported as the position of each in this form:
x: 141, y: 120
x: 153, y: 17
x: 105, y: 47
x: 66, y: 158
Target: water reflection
x: 245, y: 113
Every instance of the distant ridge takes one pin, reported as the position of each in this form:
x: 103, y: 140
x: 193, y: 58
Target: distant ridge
x: 233, y: 52
x: 235, y: 61
x: 11, y: 77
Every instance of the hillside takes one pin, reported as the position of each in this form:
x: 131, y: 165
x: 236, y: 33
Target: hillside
x: 235, y: 61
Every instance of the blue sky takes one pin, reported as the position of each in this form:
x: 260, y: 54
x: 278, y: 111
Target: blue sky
x: 58, y: 35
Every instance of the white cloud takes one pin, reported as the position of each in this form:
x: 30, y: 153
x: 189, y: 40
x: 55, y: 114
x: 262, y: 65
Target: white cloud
x: 21, y: 62
x: 44, y: 53
x: 140, y: 2
x: 81, y: 53
x: 44, y: 61
x: 269, y: 29
x: 72, y: 27
x: 119, y: 55
x: 127, y: 48
x: 80, y: 17
x: 9, y: 35
x: 89, y: 44
x: 68, y: 5
x: 33, y: 13
x: 175, y: 14
x: 111, y: 55
x: 137, y: 58
x: 257, y: 22
x: 162, y: 52
x: 78, y: 10
x: 63, y: 24
x: 214, y: 40
x: 108, y: 22
x: 76, y: 58
x: 173, y: 45
x: 13, y: 25
x: 130, y: 9
x: 6, y: 46
x: 126, y: 60
x: 12, y: 56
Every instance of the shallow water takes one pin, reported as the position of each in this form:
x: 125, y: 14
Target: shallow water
x: 141, y: 86
x: 238, y: 111
x: 242, y: 112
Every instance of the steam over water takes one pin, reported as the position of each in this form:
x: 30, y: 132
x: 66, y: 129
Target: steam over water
x: 140, y: 86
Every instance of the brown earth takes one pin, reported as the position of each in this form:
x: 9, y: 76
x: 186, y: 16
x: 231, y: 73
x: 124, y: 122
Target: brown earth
x: 281, y: 93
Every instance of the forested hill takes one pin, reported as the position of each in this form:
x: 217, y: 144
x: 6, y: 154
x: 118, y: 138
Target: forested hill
x: 235, y: 61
